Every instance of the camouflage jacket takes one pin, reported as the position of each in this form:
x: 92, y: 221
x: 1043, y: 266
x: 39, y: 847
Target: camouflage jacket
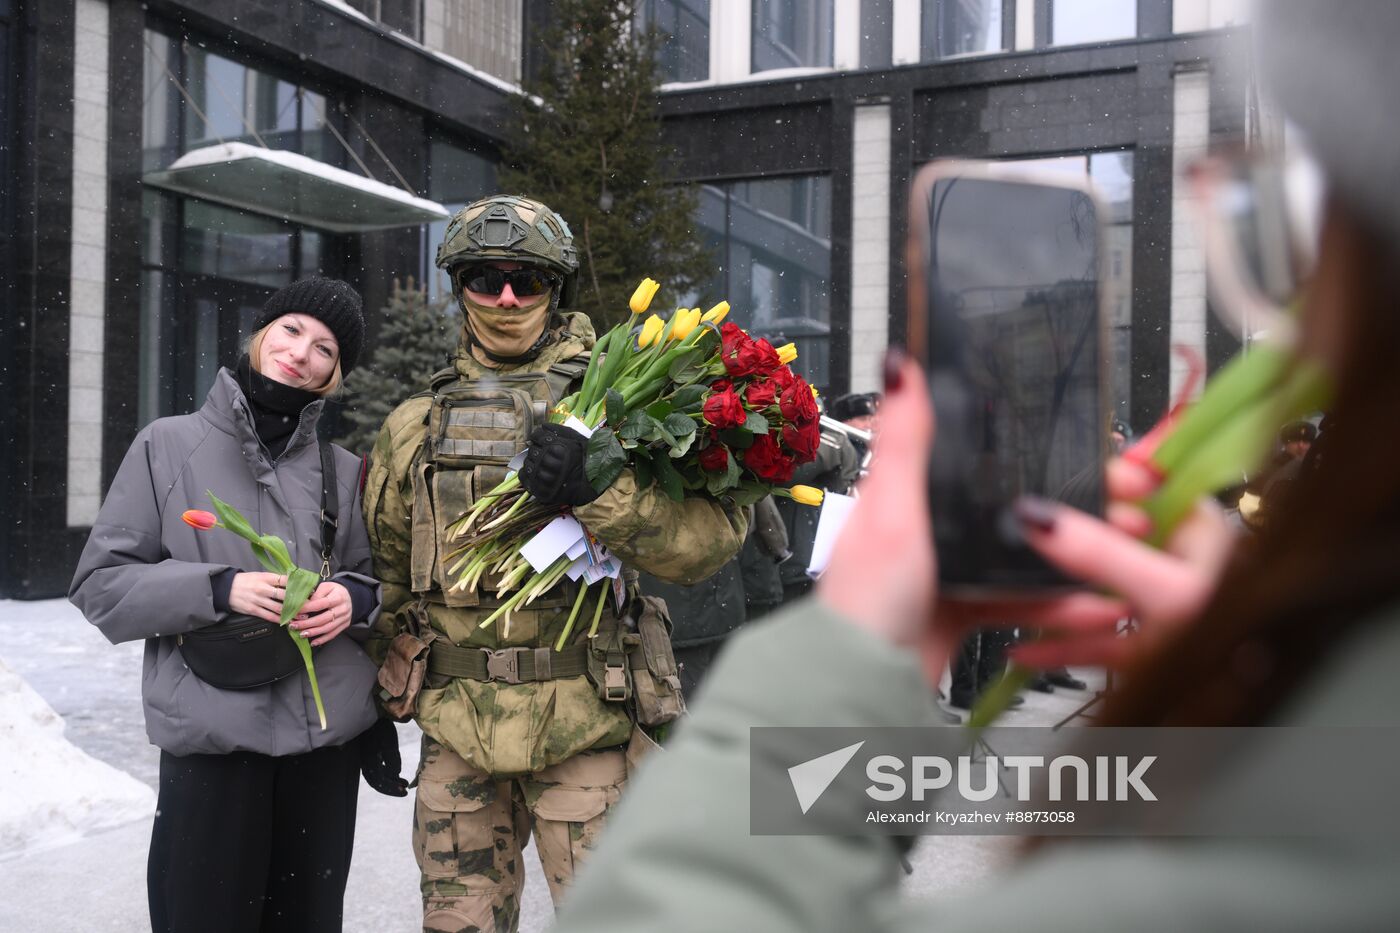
x: 518, y: 728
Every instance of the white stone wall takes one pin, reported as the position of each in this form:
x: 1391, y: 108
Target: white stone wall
x: 870, y: 245
x: 1198, y: 15
x: 1190, y: 135
x: 1025, y: 25
x: 87, y: 288
x: 908, y: 20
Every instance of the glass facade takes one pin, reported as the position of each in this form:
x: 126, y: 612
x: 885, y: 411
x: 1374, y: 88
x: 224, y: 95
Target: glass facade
x: 792, y: 34
x: 457, y: 176
x: 206, y: 269
x: 486, y: 34
x: 960, y: 27
x: 684, y: 25
x: 1075, y: 22
x: 772, y: 237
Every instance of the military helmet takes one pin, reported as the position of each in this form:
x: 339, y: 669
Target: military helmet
x: 515, y: 229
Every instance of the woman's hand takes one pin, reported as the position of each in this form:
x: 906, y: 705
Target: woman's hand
x: 325, y: 614
x: 883, y: 571
x: 258, y: 594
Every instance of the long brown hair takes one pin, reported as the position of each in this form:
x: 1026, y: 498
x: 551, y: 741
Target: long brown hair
x: 1330, y: 561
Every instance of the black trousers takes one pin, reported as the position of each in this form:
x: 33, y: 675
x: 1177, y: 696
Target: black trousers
x: 248, y: 843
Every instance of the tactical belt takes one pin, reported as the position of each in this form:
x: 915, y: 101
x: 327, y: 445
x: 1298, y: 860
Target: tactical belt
x: 513, y: 665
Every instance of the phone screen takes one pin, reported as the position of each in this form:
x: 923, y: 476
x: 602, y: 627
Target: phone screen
x: 1015, y: 369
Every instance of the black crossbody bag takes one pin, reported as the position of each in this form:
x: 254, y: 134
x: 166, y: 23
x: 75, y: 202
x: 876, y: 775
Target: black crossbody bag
x: 243, y: 652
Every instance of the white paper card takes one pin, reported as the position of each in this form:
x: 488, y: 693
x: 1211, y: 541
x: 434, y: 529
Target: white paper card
x: 517, y: 461
x: 578, y: 549
x: 579, y: 426
x: 578, y: 568
x: 836, y: 509
x: 553, y: 541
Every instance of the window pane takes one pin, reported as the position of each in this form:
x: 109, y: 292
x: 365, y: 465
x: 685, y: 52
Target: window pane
x: 483, y: 33
x: 684, y: 25
x: 876, y: 33
x: 160, y: 118
x: 792, y: 34
x: 229, y: 244
x: 1073, y: 22
x: 777, y: 260
x: 960, y: 27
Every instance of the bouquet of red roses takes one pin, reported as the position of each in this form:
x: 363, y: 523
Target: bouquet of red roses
x: 692, y: 404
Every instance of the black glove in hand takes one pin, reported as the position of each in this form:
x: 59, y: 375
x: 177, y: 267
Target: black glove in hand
x: 379, y: 759
x: 553, y: 470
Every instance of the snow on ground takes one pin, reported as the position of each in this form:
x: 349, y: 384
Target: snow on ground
x: 52, y: 793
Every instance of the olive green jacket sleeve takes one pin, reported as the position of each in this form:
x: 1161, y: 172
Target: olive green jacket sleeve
x: 678, y: 542
x: 678, y: 855
x: 388, y: 507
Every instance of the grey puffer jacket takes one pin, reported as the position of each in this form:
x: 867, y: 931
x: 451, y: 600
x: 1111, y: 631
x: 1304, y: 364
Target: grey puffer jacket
x: 146, y: 574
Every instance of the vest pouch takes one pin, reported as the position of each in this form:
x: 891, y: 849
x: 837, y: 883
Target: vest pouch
x: 656, y: 681
x: 608, y: 665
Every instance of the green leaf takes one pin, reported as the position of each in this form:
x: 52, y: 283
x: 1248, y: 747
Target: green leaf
x: 301, y: 583
x: 679, y: 425
x: 669, y: 479
x: 748, y: 493
x: 756, y: 424
x: 604, y: 460
x: 682, y: 445
x: 233, y: 520
x: 635, y: 427
x: 686, y: 396
x: 278, y: 549
x: 617, y: 412
x: 660, y: 410
x: 682, y: 362
x: 736, y: 438
x: 659, y: 433
x: 641, y: 465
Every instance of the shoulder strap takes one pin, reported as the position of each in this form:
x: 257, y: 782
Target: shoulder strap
x: 561, y: 376
x: 442, y: 377
x: 330, y: 507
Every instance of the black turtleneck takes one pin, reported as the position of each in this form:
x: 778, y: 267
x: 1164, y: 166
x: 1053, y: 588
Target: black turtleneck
x: 276, y: 407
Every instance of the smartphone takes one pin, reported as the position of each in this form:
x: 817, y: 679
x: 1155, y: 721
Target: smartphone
x: 1007, y: 316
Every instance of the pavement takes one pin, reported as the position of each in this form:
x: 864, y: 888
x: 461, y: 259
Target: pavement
x: 98, y: 882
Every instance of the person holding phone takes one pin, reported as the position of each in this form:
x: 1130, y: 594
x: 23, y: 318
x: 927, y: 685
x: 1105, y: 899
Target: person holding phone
x: 255, y: 819
x: 1299, y: 627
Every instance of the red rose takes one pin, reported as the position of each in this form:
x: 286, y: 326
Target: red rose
x: 768, y: 461
x: 721, y: 385
x: 744, y: 356
x: 724, y: 410
x: 715, y: 458
x: 761, y: 394
x: 782, y: 377
x: 797, y: 402
x: 803, y: 440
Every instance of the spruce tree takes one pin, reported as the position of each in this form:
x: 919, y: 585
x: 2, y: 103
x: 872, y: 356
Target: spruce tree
x: 589, y: 144
x: 416, y: 338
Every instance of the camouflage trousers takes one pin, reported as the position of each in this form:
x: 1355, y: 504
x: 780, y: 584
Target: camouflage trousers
x: 469, y: 829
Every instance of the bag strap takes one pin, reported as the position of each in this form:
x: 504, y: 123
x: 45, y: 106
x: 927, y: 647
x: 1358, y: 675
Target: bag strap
x: 330, y: 507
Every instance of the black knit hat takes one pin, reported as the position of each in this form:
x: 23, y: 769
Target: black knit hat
x: 334, y: 303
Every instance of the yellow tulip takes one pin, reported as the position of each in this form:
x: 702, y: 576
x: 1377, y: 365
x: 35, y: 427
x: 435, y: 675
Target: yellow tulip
x: 651, y: 329
x: 685, y: 323
x: 787, y: 353
x: 717, y: 313
x: 641, y: 298
x: 815, y: 393
x: 807, y: 495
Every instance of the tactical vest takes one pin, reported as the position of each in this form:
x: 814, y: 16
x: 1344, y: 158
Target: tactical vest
x: 475, y: 427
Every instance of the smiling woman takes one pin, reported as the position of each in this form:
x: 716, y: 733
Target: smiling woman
x: 307, y: 334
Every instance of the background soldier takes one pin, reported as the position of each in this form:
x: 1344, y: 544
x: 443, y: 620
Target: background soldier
x: 515, y: 734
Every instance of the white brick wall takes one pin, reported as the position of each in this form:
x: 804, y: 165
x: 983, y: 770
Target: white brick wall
x: 1190, y: 135
x: 87, y: 288
x: 908, y: 19
x: 870, y: 245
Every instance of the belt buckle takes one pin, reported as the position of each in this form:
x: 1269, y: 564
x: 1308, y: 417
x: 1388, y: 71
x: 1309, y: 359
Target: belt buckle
x: 614, y: 681
x: 503, y: 665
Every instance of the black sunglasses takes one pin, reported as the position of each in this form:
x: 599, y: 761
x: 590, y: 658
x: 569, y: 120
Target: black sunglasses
x: 488, y: 280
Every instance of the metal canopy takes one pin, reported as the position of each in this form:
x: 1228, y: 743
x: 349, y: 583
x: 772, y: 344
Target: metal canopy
x: 293, y: 187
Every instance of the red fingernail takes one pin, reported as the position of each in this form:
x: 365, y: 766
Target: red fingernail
x: 894, y: 368
x: 1035, y: 512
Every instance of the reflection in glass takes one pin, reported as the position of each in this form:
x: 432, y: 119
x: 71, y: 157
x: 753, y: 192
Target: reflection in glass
x: 792, y: 34
x: 684, y: 54
x: 960, y: 27
x: 1012, y: 346
x: 228, y: 244
x: 773, y: 238
x: 876, y: 33
x: 1073, y: 22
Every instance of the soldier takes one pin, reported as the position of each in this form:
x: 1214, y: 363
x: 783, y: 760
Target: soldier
x: 516, y: 736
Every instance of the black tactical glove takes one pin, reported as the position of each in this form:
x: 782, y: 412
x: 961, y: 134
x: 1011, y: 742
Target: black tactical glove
x: 553, y: 470
x: 379, y: 759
